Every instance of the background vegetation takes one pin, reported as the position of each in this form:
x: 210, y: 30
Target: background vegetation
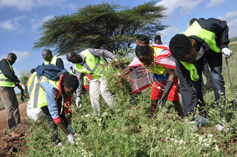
x: 129, y: 132
x: 106, y: 26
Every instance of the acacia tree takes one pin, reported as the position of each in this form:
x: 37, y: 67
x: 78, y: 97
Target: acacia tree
x: 106, y: 26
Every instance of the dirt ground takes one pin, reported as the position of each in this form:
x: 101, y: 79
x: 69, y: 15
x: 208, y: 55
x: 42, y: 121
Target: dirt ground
x: 12, y: 142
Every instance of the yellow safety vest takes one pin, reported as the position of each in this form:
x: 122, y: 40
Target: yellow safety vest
x: 72, y: 72
x: 36, y: 93
x: 53, y: 61
x: 96, y: 64
x: 209, y: 37
x: 159, y: 69
x: 4, y: 81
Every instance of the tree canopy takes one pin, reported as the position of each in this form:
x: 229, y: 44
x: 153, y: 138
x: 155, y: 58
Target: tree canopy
x: 103, y: 26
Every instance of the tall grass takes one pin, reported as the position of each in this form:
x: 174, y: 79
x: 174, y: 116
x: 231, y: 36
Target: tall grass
x: 129, y: 132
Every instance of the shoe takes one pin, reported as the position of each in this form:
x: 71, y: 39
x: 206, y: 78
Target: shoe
x: 202, y: 121
x: 222, y: 126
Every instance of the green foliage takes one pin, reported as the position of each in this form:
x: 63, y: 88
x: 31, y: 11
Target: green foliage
x: 24, y: 75
x: 129, y: 132
x: 105, y: 26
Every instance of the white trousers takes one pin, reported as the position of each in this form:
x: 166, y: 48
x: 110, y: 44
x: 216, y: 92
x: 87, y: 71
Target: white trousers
x: 96, y: 88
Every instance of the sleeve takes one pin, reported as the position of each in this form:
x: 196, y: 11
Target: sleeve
x: 51, y: 98
x: 80, y: 79
x: 221, y: 29
x: 102, y: 52
x: 59, y: 63
x: 190, y: 90
x: 222, y: 32
x: 6, y: 70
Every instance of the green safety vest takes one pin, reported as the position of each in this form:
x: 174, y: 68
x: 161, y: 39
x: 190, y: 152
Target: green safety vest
x: 159, y: 69
x: 36, y: 92
x: 53, y: 61
x: 4, y: 81
x: 209, y: 37
x: 96, y: 65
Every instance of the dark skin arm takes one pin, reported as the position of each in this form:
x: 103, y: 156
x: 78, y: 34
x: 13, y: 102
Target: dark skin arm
x: 62, y: 127
x: 171, y: 73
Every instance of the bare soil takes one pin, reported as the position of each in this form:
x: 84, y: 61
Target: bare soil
x: 12, y: 141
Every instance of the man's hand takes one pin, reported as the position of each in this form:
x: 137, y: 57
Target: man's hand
x: 22, y: 92
x: 78, y: 102
x: 227, y: 52
x: 70, y: 138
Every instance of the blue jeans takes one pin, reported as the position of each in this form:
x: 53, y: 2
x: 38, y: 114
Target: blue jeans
x: 215, y: 63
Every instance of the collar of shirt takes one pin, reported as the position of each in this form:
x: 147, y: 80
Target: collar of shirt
x: 200, y: 53
x: 83, y: 58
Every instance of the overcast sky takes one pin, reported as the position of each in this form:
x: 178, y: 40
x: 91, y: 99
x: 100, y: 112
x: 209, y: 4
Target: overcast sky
x: 20, y: 21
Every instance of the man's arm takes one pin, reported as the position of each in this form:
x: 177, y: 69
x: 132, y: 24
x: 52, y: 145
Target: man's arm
x: 219, y: 27
x: 171, y: 73
x: 221, y: 32
x: 59, y: 63
x: 102, y: 52
x: 51, y: 97
x: 8, y: 72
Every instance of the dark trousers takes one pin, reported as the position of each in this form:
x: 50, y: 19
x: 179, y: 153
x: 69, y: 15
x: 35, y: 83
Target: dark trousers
x: 208, y: 76
x: 51, y: 123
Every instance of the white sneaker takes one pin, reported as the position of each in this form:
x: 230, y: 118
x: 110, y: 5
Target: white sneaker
x: 222, y: 126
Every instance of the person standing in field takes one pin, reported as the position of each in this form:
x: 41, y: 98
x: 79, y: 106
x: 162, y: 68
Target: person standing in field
x: 54, y: 98
x: 8, y: 80
x: 50, y: 59
x: 205, y: 38
x: 157, y: 59
x: 157, y: 40
x: 90, y: 62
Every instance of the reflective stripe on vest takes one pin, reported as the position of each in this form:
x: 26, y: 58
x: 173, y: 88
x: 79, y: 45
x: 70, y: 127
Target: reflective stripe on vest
x: 208, y: 36
x: 86, y: 80
x: 95, y: 64
x: 192, y: 69
x: 36, y: 93
x: 53, y: 61
x: 4, y: 81
x: 54, y: 83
